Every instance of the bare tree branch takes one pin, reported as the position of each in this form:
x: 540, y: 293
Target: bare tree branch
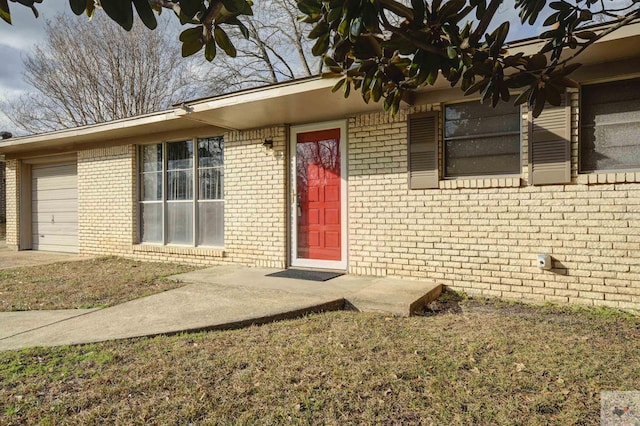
x: 277, y: 49
x: 93, y: 71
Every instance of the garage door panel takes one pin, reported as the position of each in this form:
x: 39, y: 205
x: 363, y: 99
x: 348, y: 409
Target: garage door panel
x: 73, y: 248
x: 65, y: 240
x: 66, y: 182
x: 68, y: 246
x: 54, y: 212
x: 54, y: 206
x: 56, y: 195
x: 68, y: 229
x: 55, y: 170
x: 58, y: 217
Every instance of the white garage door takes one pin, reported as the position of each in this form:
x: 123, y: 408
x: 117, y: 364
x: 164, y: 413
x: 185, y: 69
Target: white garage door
x: 54, y: 207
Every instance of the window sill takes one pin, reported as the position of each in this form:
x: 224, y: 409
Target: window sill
x: 478, y: 182
x: 595, y: 178
x: 176, y: 250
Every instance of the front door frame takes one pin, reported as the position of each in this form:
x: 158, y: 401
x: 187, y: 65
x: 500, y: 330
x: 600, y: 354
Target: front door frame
x: 313, y: 263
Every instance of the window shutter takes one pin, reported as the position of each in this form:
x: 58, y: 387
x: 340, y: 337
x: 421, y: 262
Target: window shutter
x: 423, y: 150
x: 550, y: 145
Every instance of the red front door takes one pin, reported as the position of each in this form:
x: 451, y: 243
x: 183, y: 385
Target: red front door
x: 318, y: 200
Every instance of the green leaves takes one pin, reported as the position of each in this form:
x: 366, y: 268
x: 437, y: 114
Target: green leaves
x: 210, y: 51
x: 586, y: 35
x: 497, y: 39
x: 309, y: 7
x: 386, y: 48
x: 146, y: 14
x: 418, y: 10
x: 120, y: 11
x: 238, y: 7
x: 321, y: 45
x: 210, y: 34
x: 5, y: 14
x: 319, y: 30
x: 191, y: 40
x: 190, y: 7
x: 191, y: 48
x: 530, y: 10
x: 223, y: 41
x: 78, y: 6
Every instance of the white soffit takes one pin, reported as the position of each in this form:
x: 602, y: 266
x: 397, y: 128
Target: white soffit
x: 126, y: 130
x: 299, y: 102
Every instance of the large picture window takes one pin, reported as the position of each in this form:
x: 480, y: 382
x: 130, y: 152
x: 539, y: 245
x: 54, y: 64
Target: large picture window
x: 181, y: 192
x: 480, y: 140
x: 610, y: 126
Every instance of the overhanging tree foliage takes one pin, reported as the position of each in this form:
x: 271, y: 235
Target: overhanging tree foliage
x: 386, y: 48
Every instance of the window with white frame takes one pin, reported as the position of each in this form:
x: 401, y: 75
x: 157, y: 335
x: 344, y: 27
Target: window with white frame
x: 610, y: 126
x: 181, y: 192
x: 480, y: 140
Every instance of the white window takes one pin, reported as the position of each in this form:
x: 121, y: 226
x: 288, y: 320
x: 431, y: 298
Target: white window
x: 610, y: 126
x: 171, y: 211
x: 480, y: 140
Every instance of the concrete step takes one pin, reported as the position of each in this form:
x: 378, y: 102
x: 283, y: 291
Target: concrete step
x: 393, y: 296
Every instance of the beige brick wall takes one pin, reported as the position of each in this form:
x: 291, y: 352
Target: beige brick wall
x: 256, y: 197
x: 482, y: 235
x: 12, y: 204
x: 3, y: 193
x: 255, y: 204
x: 106, y: 200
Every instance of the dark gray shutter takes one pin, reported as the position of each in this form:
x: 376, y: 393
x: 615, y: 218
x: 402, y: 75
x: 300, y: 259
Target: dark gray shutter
x: 550, y: 145
x: 423, y: 150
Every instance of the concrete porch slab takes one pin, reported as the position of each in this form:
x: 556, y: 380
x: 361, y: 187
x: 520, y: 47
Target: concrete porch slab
x: 367, y: 294
x: 215, y: 298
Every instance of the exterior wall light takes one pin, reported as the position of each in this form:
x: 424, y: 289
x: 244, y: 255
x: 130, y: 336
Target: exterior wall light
x: 268, y: 143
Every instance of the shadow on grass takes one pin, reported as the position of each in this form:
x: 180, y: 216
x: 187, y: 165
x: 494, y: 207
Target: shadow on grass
x: 447, y: 303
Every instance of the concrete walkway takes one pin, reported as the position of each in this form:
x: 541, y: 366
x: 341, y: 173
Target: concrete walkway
x: 214, y: 298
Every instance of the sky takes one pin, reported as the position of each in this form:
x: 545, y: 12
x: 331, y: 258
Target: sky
x: 17, y: 39
x: 27, y: 31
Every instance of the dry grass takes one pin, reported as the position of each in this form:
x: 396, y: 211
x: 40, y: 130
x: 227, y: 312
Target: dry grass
x: 490, y: 363
x: 84, y: 284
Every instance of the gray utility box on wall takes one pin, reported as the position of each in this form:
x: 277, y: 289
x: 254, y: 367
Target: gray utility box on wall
x: 544, y: 261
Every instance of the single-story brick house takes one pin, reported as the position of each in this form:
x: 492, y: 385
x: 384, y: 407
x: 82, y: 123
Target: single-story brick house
x: 295, y: 175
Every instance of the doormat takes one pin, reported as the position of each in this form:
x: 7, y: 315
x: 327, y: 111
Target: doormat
x: 302, y: 274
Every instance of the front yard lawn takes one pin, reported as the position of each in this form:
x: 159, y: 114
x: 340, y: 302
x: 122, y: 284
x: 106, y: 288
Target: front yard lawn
x: 486, y: 363
x: 84, y: 284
